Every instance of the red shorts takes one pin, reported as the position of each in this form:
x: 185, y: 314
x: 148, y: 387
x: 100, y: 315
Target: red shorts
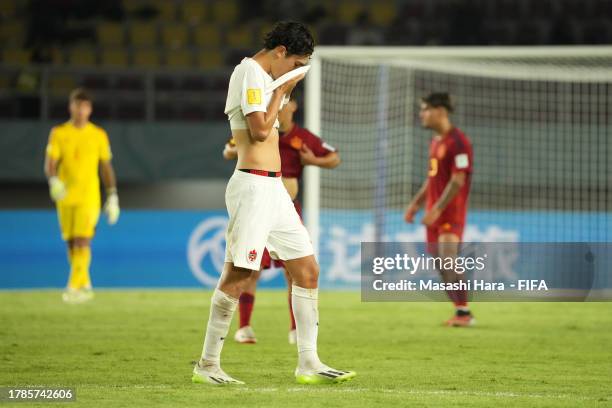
x: 266, y: 260
x: 442, y: 227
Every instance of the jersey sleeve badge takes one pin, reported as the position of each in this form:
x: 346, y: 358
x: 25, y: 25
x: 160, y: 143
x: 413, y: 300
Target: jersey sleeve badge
x: 254, y: 96
x: 462, y: 161
x: 296, y: 143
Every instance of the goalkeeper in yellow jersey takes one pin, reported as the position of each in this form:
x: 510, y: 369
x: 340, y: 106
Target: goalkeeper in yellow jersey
x: 76, y: 151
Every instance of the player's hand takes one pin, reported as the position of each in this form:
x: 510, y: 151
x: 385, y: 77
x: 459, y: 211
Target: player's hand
x: 111, y: 208
x: 411, y: 211
x: 57, y: 189
x: 431, y: 216
x: 288, y: 86
x: 307, y: 156
x: 230, y: 152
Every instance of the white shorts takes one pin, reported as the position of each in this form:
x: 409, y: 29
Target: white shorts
x: 262, y: 215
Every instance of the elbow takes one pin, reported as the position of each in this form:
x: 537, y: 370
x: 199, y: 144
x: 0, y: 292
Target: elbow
x: 260, y: 135
x: 457, y: 184
x: 458, y: 179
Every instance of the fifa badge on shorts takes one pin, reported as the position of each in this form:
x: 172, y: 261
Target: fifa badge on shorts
x: 252, y: 255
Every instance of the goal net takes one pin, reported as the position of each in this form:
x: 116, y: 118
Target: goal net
x: 540, y: 121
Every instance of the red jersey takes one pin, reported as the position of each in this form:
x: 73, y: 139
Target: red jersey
x: 290, y: 143
x: 448, y: 155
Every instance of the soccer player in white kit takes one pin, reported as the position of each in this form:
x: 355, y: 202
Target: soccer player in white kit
x: 261, y: 213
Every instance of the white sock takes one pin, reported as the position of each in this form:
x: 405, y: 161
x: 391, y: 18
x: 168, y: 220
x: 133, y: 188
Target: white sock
x: 222, y: 309
x: 306, y: 313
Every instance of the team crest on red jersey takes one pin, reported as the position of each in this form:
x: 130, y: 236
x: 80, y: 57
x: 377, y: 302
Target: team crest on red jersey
x: 296, y: 143
x: 252, y: 255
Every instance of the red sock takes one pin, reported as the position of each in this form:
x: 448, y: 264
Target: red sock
x: 245, y: 306
x: 291, y: 314
x: 452, y: 295
x: 461, y: 299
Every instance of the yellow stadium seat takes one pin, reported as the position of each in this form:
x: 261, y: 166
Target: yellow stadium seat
x: 382, y: 12
x: 179, y: 59
x: 175, y: 35
x: 131, y: 6
x: 7, y: 8
x: 12, y: 33
x: 193, y: 11
x: 146, y: 58
x: 114, y: 57
x: 62, y: 83
x: 315, y: 34
x: 240, y: 37
x: 207, y: 36
x: 166, y: 9
x: 57, y: 56
x: 348, y: 11
x: 16, y: 56
x: 143, y: 34
x: 329, y: 7
x: 110, y: 34
x: 5, y: 82
x: 263, y: 30
x: 209, y: 59
x: 225, y: 11
x: 82, y: 56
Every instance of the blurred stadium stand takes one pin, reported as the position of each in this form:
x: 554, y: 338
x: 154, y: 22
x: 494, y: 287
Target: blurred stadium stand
x: 164, y: 41
x: 152, y: 61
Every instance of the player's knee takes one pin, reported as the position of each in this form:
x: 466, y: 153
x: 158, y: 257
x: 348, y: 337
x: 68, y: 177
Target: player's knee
x: 81, y: 242
x: 311, y: 275
x: 235, y: 280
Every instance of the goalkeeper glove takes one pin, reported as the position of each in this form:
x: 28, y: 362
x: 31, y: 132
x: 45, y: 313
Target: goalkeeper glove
x: 111, y: 208
x: 57, y: 189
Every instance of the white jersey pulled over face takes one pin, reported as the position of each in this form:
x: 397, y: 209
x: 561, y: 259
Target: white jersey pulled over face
x: 249, y: 91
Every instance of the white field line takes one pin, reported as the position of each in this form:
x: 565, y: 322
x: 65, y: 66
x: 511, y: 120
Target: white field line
x: 342, y: 389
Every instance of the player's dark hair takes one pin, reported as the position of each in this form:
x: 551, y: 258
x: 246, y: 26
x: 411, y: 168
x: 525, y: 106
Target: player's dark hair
x: 296, y: 95
x: 439, y: 100
x: 293, y: 35
x: 80, y: 94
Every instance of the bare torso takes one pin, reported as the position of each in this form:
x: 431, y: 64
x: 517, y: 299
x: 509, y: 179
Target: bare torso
x: 292, y: 186
x: 257, y: 155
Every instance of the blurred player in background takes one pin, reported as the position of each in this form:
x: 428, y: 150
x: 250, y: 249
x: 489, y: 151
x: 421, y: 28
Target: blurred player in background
x: 445, y: 192
x: 76, y: 151
x: 298, y: 148
x: 261, y: 212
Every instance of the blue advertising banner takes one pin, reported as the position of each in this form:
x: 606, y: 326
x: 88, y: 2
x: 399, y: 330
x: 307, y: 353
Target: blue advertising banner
x: 186, y: 248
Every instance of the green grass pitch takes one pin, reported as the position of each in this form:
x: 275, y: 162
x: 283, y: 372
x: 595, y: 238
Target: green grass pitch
x: 136, y: 348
